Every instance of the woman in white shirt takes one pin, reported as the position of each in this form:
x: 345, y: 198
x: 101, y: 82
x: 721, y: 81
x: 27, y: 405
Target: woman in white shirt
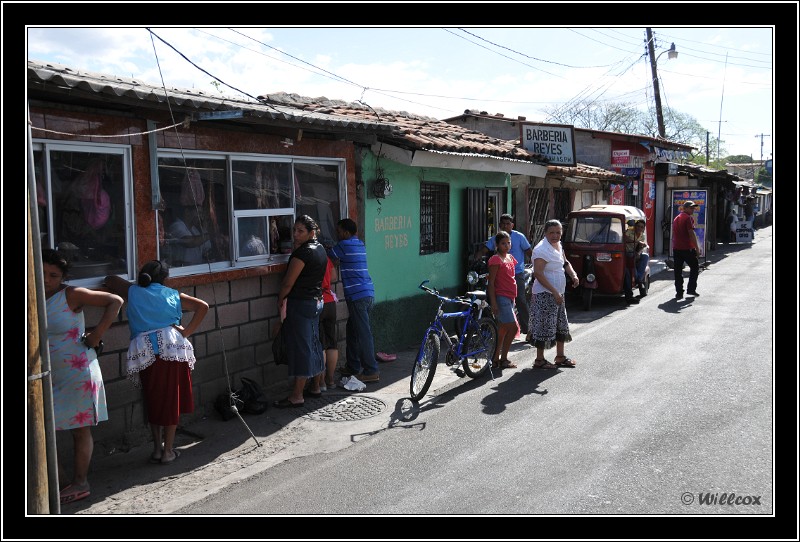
x: 548, y: 323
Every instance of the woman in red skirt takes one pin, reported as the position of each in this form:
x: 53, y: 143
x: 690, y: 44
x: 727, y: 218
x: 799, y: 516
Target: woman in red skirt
x: 160, y: 356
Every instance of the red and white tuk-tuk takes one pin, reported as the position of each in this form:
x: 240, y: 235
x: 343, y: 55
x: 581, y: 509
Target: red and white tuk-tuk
x: 594, y: 243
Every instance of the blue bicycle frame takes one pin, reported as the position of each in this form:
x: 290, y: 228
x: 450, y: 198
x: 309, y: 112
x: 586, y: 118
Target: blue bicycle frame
x: 474, y: 349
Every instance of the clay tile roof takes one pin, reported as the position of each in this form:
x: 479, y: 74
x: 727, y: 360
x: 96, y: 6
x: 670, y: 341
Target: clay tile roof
x: 585, y: 170
x: 413, y: 131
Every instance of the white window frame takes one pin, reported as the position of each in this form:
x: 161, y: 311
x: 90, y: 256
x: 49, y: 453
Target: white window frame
x: 237, y: 261
x: 46, y: 146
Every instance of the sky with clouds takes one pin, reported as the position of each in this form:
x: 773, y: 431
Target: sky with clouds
x: 723, y: 76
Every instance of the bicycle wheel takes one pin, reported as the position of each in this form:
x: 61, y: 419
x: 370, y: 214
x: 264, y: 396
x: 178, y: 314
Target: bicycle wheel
x: 425, y: 366
x: 483, y: 340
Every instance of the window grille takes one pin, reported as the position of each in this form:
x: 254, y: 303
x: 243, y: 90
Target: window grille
x: 434, y: 218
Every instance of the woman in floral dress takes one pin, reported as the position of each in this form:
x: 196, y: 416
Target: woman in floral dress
x: 79, y: 398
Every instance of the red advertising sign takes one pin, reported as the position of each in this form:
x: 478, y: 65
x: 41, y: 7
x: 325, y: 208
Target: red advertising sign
x: 620, y: 158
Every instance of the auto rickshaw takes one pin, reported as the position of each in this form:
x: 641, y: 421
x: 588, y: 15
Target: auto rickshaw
x: 594, y: 243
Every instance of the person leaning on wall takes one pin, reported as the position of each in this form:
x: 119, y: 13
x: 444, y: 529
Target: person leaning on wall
x: 79, y: 397
x: 160, y: 357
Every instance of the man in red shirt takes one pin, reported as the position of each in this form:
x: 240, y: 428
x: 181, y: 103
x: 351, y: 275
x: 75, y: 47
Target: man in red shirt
x: 685, y: 249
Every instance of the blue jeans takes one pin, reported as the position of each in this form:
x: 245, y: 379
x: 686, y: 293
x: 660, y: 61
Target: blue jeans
x: 626, y: 283
x: 360, y: 350
x: 641, y: 267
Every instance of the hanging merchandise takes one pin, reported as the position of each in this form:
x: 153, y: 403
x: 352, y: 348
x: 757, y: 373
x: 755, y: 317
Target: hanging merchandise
x: 192, y: 192
x: 95, y: 201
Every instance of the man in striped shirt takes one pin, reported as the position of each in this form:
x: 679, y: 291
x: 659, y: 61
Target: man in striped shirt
x: 359, y: 294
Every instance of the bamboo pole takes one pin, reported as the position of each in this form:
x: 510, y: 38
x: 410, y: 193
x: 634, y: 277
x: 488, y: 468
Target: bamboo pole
x: 38, y: 497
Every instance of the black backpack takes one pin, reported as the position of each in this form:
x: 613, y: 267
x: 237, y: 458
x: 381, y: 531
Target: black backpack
x: 249, y: 399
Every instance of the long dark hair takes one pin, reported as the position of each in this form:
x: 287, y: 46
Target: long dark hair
x: 152, y: 271
x: 502, y: 234
x: 310, y: 224
x: 53, y: 257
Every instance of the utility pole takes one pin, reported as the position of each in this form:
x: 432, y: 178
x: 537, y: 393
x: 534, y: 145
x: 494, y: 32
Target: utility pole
x: 656, y: 93
x: 762, y: 136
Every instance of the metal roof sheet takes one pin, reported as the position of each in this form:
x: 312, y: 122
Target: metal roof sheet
x: 48, y: 77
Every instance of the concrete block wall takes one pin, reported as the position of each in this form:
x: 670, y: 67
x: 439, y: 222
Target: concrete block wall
x: 233, y: 341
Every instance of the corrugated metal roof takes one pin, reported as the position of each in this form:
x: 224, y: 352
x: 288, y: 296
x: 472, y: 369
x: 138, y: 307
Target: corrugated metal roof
x: 55, y: 78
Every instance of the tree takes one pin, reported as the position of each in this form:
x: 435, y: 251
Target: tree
x: 624, y: 117
x: 763, y: 177
x: 606, y: 116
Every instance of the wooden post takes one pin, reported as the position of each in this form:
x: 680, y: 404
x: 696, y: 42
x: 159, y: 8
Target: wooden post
x: 38, y: 496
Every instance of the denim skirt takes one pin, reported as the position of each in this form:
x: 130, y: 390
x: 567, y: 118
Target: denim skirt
x: 303, y: 346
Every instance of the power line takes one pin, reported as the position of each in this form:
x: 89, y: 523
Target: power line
x: 528, y: 56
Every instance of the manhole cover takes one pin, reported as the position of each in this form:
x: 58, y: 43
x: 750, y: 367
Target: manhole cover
x: 333, y: 407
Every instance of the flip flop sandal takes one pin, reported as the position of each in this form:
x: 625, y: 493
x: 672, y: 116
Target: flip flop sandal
x: 177, y: 455
x: 566, y: 362
x: 543, y: 365
x: 286, y: 403
x: 71, y: 494
x: 508, y: 365
x: 153, y: 459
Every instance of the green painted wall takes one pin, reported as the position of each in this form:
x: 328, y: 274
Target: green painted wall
x: 392, y: 235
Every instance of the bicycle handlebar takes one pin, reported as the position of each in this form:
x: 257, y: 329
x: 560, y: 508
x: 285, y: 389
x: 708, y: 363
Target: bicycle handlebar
x: 432, y: 291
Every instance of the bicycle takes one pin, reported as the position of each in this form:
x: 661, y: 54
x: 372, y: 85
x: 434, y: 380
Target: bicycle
x: 475, y: 344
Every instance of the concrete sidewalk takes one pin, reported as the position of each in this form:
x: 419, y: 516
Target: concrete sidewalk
x: 216, y: 453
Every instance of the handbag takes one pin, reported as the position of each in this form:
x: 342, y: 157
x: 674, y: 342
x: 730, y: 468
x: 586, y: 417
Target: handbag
x: 279, y: 348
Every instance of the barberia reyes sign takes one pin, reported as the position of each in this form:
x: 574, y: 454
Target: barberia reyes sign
x: 555, y: 141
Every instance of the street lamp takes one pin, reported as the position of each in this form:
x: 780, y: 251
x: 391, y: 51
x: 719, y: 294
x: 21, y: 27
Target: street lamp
x: 671, y: 53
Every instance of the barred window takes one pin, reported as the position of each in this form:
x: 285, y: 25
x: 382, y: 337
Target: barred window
x: 434, y: 218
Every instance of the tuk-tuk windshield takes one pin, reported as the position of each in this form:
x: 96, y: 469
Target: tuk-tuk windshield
x: 594, y: 229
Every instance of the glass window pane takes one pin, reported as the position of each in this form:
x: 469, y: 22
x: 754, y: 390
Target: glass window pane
x: 194, y: 214
x: 284, y: 225
x: 261, y: 235
x: 254, y: 235
x: 41, y: 197
x: 89, y: 222
x: 318, y: 197
x: 261, y: 185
